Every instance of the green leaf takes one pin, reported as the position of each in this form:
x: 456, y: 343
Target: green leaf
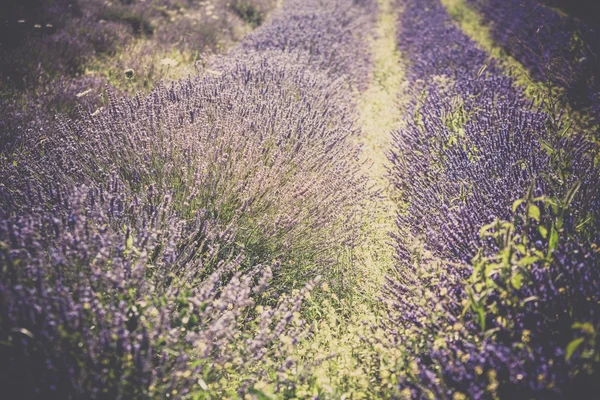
x: 481, y: 314
x: 553, y: 241
x: 479, y: 287
x: 534, y: 212
x: 129, y: 242
x: 566, y: 129
x: 484, y: 231
x: 517, y: 281
x: 548, y: 147
x: 258, y: 393
x: 572, y: 347
x: 530, y: 298
x: 543, y: 231
x: 516, y: 204
x: 491, y: 269
x: 528, y: 260
x: 490, y: 332
x: 585, y: 327
x: 583, y: 223
x: 481, y: 70
x: 571, y: 193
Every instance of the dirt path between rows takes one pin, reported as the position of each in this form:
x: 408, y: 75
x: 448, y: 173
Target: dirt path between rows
x: 380, y: 114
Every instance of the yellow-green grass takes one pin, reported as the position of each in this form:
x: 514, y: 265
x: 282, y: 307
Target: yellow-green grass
x: 380, y: 113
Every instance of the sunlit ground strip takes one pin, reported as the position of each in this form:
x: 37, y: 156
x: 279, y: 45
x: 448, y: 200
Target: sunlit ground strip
x: 380, y: 114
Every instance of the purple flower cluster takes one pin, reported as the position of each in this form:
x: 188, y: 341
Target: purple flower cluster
x: 497, y: 298
x: 58, y: 56
x: 473, y: 144
x: 558, y: 49
x: 329, y: 40
x: 102, y: 298
x: 134, y: 242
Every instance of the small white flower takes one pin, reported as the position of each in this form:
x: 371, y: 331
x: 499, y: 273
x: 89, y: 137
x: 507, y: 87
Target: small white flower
x: 169, y: 62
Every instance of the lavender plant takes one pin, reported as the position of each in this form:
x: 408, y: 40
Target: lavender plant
x: 512, y: 283
x: 473, y: 143
x: 56, y: 57
x: 135, y: 240
x: 557, y: 49
x: 102, y: 299
x: 331, y: 39
x: 520, y: 321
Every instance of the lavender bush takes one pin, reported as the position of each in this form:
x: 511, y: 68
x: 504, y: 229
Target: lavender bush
x: 497, y: 297
x: 136, y: 239
x: 519, y: 322
x: 101, y: 298
x: 58, y: 56
x: 558, y: 49
x: 473, y: 143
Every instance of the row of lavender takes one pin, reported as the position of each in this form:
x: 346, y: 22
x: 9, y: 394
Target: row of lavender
x: 163, y: 247
x: 55, y: 56
x: 499, y: 294
x: 558, y: 49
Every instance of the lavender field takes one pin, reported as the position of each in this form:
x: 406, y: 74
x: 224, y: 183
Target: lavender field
x: 299, y: 199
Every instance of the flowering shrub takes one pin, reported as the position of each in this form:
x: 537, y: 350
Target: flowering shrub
x: 100, y: 301
x: 56, y: 57
x: 497, y: 298
x: 558, y: 49
x: 522, y: 324
x: 170, y: 245
x: 135, y: 240
x: 473, y: 143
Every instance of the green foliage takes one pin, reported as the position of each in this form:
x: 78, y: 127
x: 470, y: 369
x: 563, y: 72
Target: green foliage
x: 248, y: 12
x: 138, y: 22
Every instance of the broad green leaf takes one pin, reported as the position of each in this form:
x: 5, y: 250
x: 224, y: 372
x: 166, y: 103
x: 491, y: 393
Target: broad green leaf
x: 572, y: 348
x: 484, y: 231
x: 528, y: 260
x: 543, y: 231
x: 491, y: 269
x: 517, y: 280
x: 534, y: 212
x: 516, y: 204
